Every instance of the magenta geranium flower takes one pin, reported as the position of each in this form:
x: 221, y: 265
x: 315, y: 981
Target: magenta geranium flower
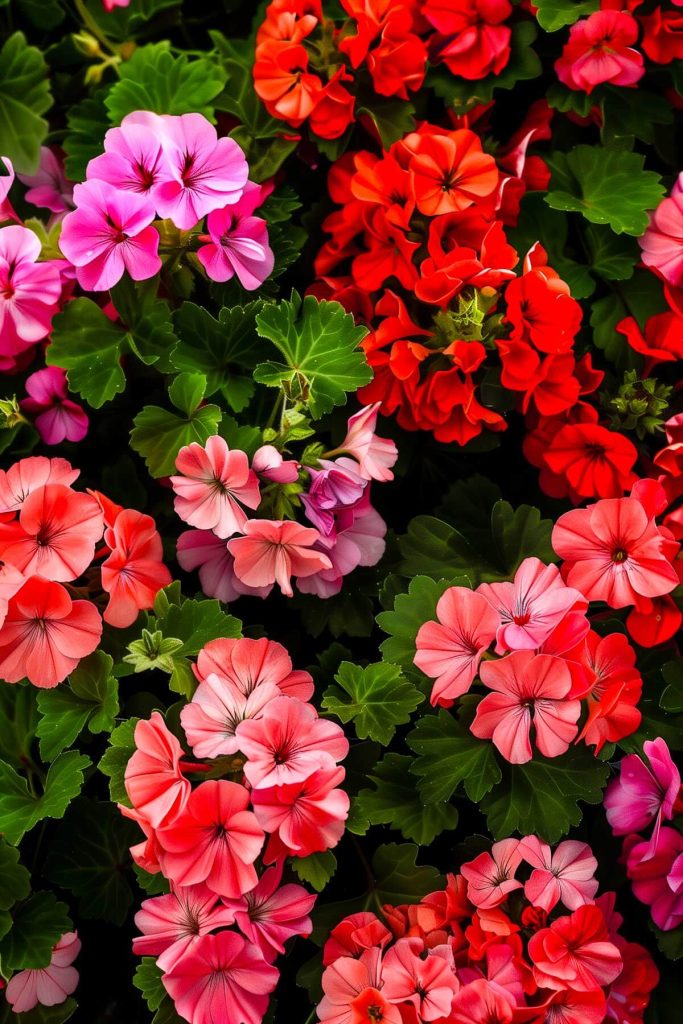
x: 237, y: 243
x: 214, y: 484
x: 133, y: 158
x: 272, y: 913
x: 57, y: 418
x: 306, y: 817
x: 29, y: 293
x: 172, y: 924
x: 49, y: 187
x: 642, y: 793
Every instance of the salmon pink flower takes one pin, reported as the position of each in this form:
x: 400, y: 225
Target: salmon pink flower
x: 642, y: 793
x: 482, y: 1003
x: 11, y: 581
x: 491, y: 876
x: 145, y: 854
x: 308, y: 817
x: 133, y: 158
x: 575, y: 952
x: 662, y: 243
x: 615, y: 691
x: 274, y: 551
x: 288, y: 743
x: 133, y: 574
x: 563, y: 875
x: 356, y: 933
x: 153, y: 778
x: 375, y: 455
x: 171, y: 924
x: 55, y: 535
x: 29, y: 293
x: 450, y: 171
x: 250, y: 663
x: 28, y: 475
x: 47, y: 986
x: 49, y: 187
x: 529, y: 689
x: 268, y: 464
x: 45, y: 634
x: 238, y: 242
x: 353, y: 992
x: 203, y: 550
x: 56, y: 417
x: 272, y: 913
x: 215, y: 840
x: 217, y: 708
x: 222, y: 978
x: 451, y: 649
x: 600, y: 49
x: 214, y: 485
x: 427, y: 983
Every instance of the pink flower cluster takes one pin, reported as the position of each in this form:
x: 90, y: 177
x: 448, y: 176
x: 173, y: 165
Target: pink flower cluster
x: 643, y: 795
x: 48, y: 541
x: 47, y: 986
x: 226, y: 918
x: 239, y: 555
x: 552, y: 667
x: 492, y: 947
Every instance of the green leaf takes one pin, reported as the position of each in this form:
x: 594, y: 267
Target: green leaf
x: 153, y: 79
x: 116, y: 757
x: 45, y: 14
x: 519, y: 533
x: 187, y: 391
x: 672, y: 697
x: 18, y: 721
x: 147, y: 979
x: 607, y: 186
x: 90, y: 857
x: 158, y: 435
x: 641, y: 298
x: 434, y: 548
x: 195, y: 623
x: 396, y: 801
x: 87, y: 122
x: 24, y: 97
x: 123, y: 22
x: 91, y: 699
x: 613, y: 257
x: 538, y: 223
x: 448, y: 755
x: 319, y: 342
x: 43, y: 1014
x: 670, y: 943
x: 147, y: 320
x: 411, y: 610
x: 15, y: 880
x: 555, y: 14
x: 316, y: 869
x: 392, y: 118
x: 88, y: 346
x: 37, y: 926
x: 376, y: 698
x: 634, y: 115
x: 20, y: 809
x: 542, y: 796
x: 398, y: 879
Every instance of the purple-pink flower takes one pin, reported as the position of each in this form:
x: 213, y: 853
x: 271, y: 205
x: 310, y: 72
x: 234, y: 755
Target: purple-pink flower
x: 642, y: 793
x: 56, y: 417
x: 133, y: 158
x: 335, y: 489
x: 49, y: 188
x: 29, y: 293
x: 237, y: 243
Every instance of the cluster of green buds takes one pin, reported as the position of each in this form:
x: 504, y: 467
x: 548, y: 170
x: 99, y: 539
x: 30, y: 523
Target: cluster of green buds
x: 639, y: 405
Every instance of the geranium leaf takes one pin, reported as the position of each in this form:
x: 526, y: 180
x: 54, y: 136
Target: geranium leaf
x: 316, y: 869
x: 87, y: 123
x: 18, y: 721
x: 398, y: 879
x: 410, y: 611
x: 158, y: 435
x: 88, y: 345
x: 396, y: 801
x: 555, y: 14
x: 448, y: 755
x: 115, y: 758
x: 147, y: 979
x: 91, y: 699
x: 518, y: 534
x: 20, y: 809
x: 376, y: 698
x: 37, y: 925
x: 24, y: 97
x: 15, y: 880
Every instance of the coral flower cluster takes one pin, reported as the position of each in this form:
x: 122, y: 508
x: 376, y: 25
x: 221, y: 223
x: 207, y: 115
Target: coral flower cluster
x: 519, y: 934
x: 237, y: 554
x: 223, y: 843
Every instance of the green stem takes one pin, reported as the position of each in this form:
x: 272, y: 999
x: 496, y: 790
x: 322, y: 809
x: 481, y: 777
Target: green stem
x: 92, y: 26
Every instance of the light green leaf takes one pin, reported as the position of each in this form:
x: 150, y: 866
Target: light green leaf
x: 396, y: 801
x: 24, y: 97
x: 91, y: 699
x: 316, y: 869
x: 555, y: 14
x: 37, y: 926
x: 411, y: 610
x: 147, y: 979
x: 158, y: 435
x: 116, y: 757
x: 20, y: 810
x: 376, y: 698
x: 448, y: 755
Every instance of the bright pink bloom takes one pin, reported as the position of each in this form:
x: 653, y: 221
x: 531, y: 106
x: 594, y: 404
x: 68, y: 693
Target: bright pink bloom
x: 251, y: 663
x: 28, y: 475
x: 563, y: 875
x: 29, y: 293
x: 491, y: 876
x: 630, y: 993
x: 654, y: 869
x: 288, y: 743
x: 428, y: 983
x: 110, y: 232
x: 49, y: 985
x: 569, y: 1007
x: 55, y: 535
x: 57, y: 418
x: 269, y: 464
x: 6, y: 181
x: 11, y: 581
x: 361, y: 542
x: 216, y: 482
x: 352, y: 992
x: 481, y: 1003
x: 641, y: 794
x: 375, y: 455
x: 144, y: 854
x: 45, y: 634
x: 272, y: 913
x: 600, y: 50
x: 172, y: 924
x: 613, y: 552
x: 109, y: 5
x: 575, y: 952
x: 203, y: 550
x: 217, y: 708
x: 205, y: 173
x: 133, y: 574
x: 215, y: 840
x: 529, y: 689
x: 531, y: 606
x: 308, y: 816
x: 133, y: 159
x: 450, y: 650
x: 333, y: 492
x: 238, y: 242
x: 662, y: 243
x: 49, y: 187
x: 273, y: 551
x: 222, y: 978
x: 154, y: 782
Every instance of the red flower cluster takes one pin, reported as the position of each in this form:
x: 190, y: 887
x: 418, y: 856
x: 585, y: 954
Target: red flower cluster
x: 493, y: 946
x: 48, y: 539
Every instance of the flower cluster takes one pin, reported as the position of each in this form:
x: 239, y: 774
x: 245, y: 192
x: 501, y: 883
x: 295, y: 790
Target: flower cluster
x: 518, y: 935
x: 49, y: 537
x: 227, y: 917
x: 237, y: 555
x: 643, y: 795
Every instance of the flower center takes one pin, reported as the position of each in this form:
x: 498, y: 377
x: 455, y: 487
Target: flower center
x: 619, y: 555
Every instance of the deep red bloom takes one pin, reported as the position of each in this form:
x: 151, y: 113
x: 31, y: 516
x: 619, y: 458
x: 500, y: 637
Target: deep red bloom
x: 597, y: 463
x: 471, y: 39
x: 600, y: 50
x: 575, y: 952
x: 662, y: 35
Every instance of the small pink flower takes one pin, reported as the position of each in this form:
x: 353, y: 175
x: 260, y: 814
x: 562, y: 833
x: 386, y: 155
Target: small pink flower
x: 375, y: 455
x: 6, y: 181
x: 133, y: 158
x: 11, y: 581
x: 641, y: 794
x: 49, y: 187
x: 251, y: 663
x: 238, y: 242
x: 109, y: 5
x: 172, y: 924
x: 49, y: 985
x: 29, y: 293
x: 110, y: 232
x: 353, y: 992
x: 649, y: 866
x: 334, y: 490
x: 274, y: 551
x: 217, y: 708
x: 203, y: 550
x: 565, y: 874
x: 662, y: 243
x: 153, y: 778
x: 307, y: 817
x: 57, y: 418
x: 361, y: 542
x: 27, y: 475
x: 600, y: 50
x: 269, y: 464
x: 426, y: 982
x: 272, y: 913
x: 491, y: 876
x: 214, y: 484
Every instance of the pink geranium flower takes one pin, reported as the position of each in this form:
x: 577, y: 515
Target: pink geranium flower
x: 11, y: 581
x: 217, y: 708
x: 532, y: 606
x: 110, y: 232
x: 45, y: 634
x: 214, y: 484
x: 274, y: 551
x: 133, y: 158
x: 133, y: 574
x: 482, y: 1003
x: 215, y: 840
x: 642, y: 793
x: 29, y: 293
x: 153, y: 778
x: 238, y: 242
x: 250, y: 663
x: 288, y: 743
x: 529, y: 689
x: 564, y: 875
x: 352, y: 992
x: 308, y: 817
x: 375, y: 455
x: 49, y: 187
x: 109, y: 5
x: 6, y: 182
x: 172, y: 924
x: 203, y: 550
x: 575, y: 952
x: 654, y: 870
x: 335, y: 488
x: 57, y: 418
x: 427, y: 983
x: 662, y: 243
x: 491, y: 876
x: 205, y: 172
x: 272, y: 913
x: 600, y: 49
x: 222, y: 978
x: 269, y: 464
x: 27, y: 475
x: 47, y: 986
x: 613, y: 552
x: 451, y: 649
x: 614, y: 692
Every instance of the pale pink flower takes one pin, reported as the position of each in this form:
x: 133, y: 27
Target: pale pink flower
x: 110, y: 232
x: 531, y: 606
x: 29, y: 293
x: 426, y: 982
x: 491, y: 876
x: 565, y: 874
x: 205, y: 172
x: 353, y: 992
x: 222, y: 979
x: 203, y: 550
x: 28, y: 475
x: 269, y: 464
x: 217, y: 708
x: 451, y: 649
x: 272, y: 551
x: 57, y: 418
x: 47, y: 986
x: 153, y: 778
x: 214, y: 484
x: 375, y: 455
x: 308, y: 817
x: 49, y: 187
x: 249, y: 664
x: 272, y: 913
x: 529, y: 689
x: 649, y: 866
x: 641, y: 793
x: 662, y: 243
x: 133, y: 158
x: 288, y: 743
x: 238, y: 242
x: 172, y: 924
